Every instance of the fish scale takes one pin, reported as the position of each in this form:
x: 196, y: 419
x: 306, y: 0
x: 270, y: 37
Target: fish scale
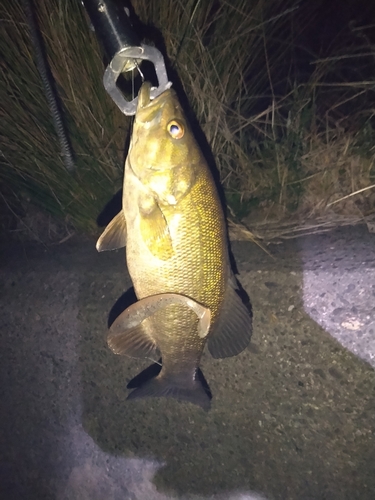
x: 177, y: 256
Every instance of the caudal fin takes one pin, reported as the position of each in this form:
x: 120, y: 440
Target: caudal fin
x: 196, y: 392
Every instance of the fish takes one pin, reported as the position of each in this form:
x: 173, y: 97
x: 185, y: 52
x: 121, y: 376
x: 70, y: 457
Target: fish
x: 174, y: 229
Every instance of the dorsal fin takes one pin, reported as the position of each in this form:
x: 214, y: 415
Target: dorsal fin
x: 232, y: 331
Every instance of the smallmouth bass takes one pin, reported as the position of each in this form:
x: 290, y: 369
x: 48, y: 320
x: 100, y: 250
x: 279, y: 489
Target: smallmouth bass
x: 174, y: 230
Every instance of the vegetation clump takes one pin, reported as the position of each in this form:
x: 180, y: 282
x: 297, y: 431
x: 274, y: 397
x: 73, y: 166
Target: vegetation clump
x: 289, y: 125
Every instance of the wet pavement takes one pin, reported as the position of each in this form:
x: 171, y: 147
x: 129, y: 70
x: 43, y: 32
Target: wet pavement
x: 293, y: 417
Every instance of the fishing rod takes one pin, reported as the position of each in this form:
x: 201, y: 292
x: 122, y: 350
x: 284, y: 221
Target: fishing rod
x: 113, y: 27
x: 111, y: 22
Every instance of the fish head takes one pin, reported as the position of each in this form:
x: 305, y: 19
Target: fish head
x: 163, y: 152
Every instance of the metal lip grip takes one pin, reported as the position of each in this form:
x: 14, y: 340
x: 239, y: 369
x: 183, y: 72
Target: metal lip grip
x: 123, y: 47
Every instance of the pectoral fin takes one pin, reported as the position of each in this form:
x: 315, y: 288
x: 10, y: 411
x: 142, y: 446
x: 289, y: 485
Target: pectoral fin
x: 232, y: 331
x: 155, y: 233
x: 114, y: 235
x: 127, y: 335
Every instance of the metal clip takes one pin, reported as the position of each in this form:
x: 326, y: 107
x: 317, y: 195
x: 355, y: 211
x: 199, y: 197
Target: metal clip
x: 121, y: 43
x: 126, y: 60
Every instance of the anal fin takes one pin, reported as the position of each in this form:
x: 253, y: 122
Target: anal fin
x: 134, y: 342
x: 127, y: 334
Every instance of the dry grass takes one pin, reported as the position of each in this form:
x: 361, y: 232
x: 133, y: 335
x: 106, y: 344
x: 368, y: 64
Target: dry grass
x: 326, y: 179
x: 291, y: 160
x: 31, y: 164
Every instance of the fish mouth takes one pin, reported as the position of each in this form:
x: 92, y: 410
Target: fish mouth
x: 144, y: 98
x: 149, y: 111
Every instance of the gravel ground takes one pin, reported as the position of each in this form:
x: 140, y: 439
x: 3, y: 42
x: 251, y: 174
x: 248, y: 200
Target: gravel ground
x: 293, y: 417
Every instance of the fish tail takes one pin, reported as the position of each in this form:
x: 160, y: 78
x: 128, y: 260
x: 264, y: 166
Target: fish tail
x: 196, y: 391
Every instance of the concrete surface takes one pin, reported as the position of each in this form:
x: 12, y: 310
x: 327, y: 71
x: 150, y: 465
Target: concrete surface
x: 293, y: 417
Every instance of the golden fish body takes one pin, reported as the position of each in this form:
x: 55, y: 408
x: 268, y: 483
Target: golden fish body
x: 177, y: 255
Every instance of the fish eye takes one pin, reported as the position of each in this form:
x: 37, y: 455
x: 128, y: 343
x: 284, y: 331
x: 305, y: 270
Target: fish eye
x: 175, y: 129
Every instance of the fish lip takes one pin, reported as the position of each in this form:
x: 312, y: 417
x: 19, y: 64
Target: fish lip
x: 144, y: 97
x: 146, y: 106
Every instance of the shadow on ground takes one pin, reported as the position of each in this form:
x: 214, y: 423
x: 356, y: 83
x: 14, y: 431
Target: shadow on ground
x: 292, y: 417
